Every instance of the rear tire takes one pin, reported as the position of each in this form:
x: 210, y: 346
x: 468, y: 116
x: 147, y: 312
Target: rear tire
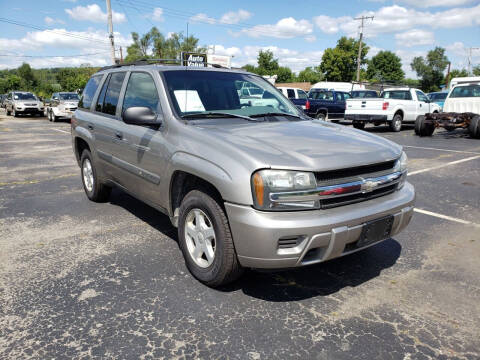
x: 94, y: 189
x: 474, y: 127
x: 396, y: 123
x: 9, y: 112
x: 321, y: 116
x: 358, y: 125
x: 224, y: 267
x: 422, y: 128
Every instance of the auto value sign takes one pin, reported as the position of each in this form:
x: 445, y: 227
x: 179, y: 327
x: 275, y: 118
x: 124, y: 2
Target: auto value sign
x: 194, y: 59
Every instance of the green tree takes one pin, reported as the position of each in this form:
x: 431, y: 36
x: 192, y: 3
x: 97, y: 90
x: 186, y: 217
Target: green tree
x: 430, y: 69
x: 249, y: 68
x: 385, y: 66
x: 284, y: 74
x: 340, y: 63
x: 476, y: 70
x: 26, y: 73
x: 10, y: 82
x: 310, y: 74
x: 267, y: 64
x: 71, y: 79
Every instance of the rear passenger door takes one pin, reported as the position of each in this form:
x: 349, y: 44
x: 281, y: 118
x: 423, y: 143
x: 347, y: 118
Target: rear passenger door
x: 145, y: 147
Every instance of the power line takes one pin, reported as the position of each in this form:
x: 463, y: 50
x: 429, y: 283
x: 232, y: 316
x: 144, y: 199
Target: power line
x: 55, y: 56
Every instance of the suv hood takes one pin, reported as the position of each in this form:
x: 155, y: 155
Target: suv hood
x: 305, y: 145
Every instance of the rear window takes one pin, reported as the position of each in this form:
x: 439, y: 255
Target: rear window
x: 89, y: 92
x: 398, y: 95
x: 466, y: 91
x: 439, y: 96
x: 364, y: 94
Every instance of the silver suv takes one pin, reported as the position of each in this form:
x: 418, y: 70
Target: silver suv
x: 247, y: 185
x: 62, y: 105
x: 22, y: 102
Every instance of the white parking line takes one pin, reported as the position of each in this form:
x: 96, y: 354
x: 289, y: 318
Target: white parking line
x: 436, y: 149
x: 443, y: 165
x: 63, y: 131
x: 446, y: 217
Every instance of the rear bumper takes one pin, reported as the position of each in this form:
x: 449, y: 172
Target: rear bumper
x: 321, y: 234
x: 366, y: 117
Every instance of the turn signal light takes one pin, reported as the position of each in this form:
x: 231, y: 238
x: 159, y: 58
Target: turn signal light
x: 258, y: 187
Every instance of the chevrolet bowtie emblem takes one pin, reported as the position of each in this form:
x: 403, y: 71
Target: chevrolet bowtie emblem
x: 369, y: 186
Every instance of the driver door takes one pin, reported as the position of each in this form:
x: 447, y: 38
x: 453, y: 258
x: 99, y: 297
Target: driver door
x: 423, y: 104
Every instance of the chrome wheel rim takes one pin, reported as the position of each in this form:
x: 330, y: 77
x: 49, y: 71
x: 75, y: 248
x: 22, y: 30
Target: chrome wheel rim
x: 200, y: 238
x: 87, y: 172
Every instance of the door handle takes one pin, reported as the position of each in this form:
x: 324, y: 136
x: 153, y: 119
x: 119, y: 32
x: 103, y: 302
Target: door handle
x: 420, y: 105
x: 119, y: 135
x: 90, y: 126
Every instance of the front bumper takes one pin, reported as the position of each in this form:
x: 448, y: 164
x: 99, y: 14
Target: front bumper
x: 366, y: 117
x: 321, y: 234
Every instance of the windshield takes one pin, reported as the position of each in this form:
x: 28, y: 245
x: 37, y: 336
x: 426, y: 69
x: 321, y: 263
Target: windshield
x: 24, y: 96
x: 196, y: 92
x: 69, y: 96
x: 466, y: 91
x: 438, y: 96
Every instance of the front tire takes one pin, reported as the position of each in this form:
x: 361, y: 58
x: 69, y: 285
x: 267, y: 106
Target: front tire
x: 474, y: 127
x: 15, y: 113
x: 206, y: 241
x: 422, y: 128
x: 396, y: 123
x: 94, y: 189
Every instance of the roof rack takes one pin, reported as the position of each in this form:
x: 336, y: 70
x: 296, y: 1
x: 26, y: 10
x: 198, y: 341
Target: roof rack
x: 159, y: 61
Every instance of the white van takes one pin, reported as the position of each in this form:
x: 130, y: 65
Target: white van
x: 338, y: 86
x: 293, y: 93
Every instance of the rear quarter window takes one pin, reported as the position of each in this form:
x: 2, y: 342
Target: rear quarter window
x: 89, y: 92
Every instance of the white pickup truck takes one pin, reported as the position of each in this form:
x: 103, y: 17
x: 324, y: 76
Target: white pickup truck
x: 395, y: 107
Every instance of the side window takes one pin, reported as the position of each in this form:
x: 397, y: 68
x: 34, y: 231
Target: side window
x: 346, y: 96
x: 101, y: 96
x: 302, y: 94
x: 113, y: 93
x: 89, y: 92
x: 291, y: 93
x: 421, y: 96
x: 141, y: 91
x: 408, y: 95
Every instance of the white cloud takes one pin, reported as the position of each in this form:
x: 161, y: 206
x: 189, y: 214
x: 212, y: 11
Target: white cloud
x: 50, y: 21
x: 202, y: 18
x: 407, y: 57
x: 157, y: 15
x: 415, y: 37
x: 396, y: 18
x: 285, y: 28
x: 231, y: 51
x: 234, y: 17
x: 436, y: 3
x: 93, y: 13
x: 310, y: 38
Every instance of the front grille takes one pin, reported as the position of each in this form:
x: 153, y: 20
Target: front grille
x: 350, y: 199
x: 328, y: 176
x: 73, y: 109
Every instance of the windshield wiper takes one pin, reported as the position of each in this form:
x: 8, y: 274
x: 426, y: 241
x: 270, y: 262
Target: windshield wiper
x: 203, y: 115
x: 276, y: 114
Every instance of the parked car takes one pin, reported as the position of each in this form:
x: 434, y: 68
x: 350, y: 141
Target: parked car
x: 3, y: 98
x: 460, y: 111
x: 246, y: 186
x: 438, y: 98
x: 62, y: 105
x: 397, y: 106
x: 293, y: 93
x: 22, y: 102
x: 324, y: 104
x: 364, y: 94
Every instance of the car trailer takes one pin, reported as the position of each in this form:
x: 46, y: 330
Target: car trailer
x: 426, y: 125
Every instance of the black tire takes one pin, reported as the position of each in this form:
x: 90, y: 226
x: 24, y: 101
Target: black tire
x: 396, y: 123
x: 100, y: 192
x: 9, y: 112
x: 321, y: 116
x: 474, y: 127
x: 358, y: 125
x: 225, y: 267
x: 48, y: 116
x: 423, y: 129
x: 15, y: 114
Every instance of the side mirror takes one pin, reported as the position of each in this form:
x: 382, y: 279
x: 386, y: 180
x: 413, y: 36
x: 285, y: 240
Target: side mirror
x: 140, y: 115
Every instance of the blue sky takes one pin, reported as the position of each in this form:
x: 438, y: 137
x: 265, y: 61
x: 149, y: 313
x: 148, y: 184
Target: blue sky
x: 51, y: 32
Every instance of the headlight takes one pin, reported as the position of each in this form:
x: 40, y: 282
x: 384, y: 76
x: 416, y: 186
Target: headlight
x: 267, y: 183
x: 401, y: 165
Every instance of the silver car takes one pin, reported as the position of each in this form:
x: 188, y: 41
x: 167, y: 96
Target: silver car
x: 23, y: 102
x: 247, y: 185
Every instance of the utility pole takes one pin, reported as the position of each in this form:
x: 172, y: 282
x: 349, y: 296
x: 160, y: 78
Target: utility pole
x: 121, y: 55
x: 110, y: 31
x: 448, y: 76
x: 363, y: 18
x: 470, y: 59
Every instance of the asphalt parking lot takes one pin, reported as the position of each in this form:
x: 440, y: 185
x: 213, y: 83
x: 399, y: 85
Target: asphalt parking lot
x: 82, y: 280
